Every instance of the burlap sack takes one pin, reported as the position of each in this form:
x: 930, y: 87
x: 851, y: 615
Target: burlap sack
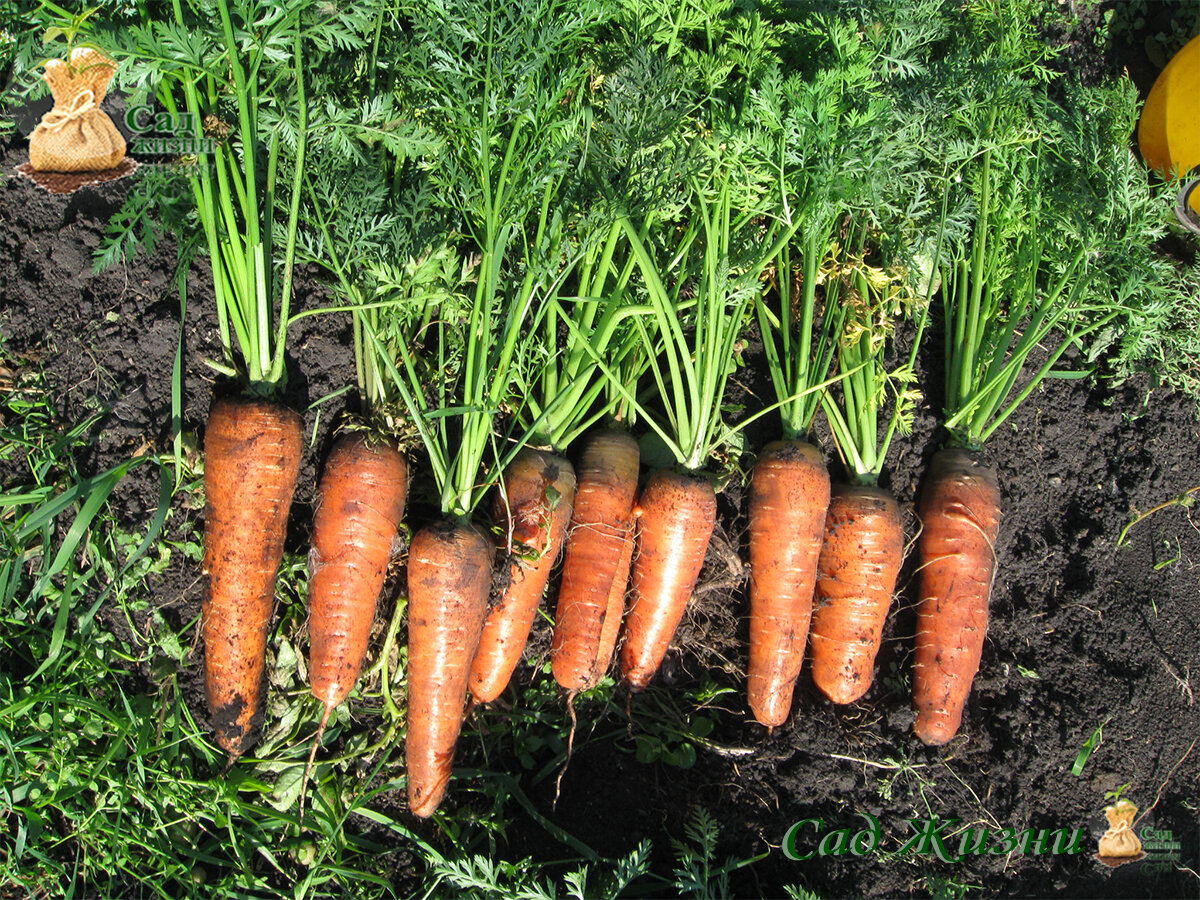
x: 1120, y: 841
x: 76, y: 135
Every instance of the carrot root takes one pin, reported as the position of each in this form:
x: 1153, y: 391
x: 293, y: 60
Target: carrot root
x: 789, y: 498
x: 860, y: 561
x: 312, y: 756
x: 614, y: 613
x: 449, y: 579
x: 960, y: 517
x: 252, y: 460
x: 596, y: 562
x: 675, y: 519
x: 536, y: 506
x: 570, y: 750
x: 360, y: 503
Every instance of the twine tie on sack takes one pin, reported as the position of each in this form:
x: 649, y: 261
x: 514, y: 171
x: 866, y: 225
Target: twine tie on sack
x: 84, y: 102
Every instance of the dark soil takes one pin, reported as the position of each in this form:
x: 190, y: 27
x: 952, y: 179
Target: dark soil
x: 1083, y: 634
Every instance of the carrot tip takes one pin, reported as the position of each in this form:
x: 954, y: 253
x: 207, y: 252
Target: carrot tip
x: 570, y: 750
x: 312, y: 756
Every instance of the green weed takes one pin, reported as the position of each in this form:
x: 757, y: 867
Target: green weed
x: 696, y: 872
x: 481, y: 877
x: 1093, y: 741
x: 945, y: 887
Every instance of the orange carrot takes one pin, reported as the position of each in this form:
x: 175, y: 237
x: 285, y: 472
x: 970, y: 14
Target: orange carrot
x: 535, y: 504
x: 856, y: 575
x: 591, y: 598
x: 789, y: 497
x: 594, y: 652
x: 449, y: 579
x: 960, y: 518
x: 252, y: 451
x: 675, y: 519
x: 359, y: 506
x: 614, y: 612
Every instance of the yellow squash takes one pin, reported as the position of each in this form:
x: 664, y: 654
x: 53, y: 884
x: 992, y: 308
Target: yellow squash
x: 1169, y: 130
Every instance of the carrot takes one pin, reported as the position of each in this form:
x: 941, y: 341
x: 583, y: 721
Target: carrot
x: 535, y: 504
x: 588, y: 624
x: 789, y: 497
x: 252, y: 451
x: 449, y: 579
x: 359, y: 506
x: 614, y: 613
x: 599, y: 551
x: 675, y: 519
x: 860, y: 561
x: 960, y: 518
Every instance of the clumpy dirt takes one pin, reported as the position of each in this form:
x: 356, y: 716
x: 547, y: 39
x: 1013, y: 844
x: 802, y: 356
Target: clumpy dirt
x: 1086, y: 637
